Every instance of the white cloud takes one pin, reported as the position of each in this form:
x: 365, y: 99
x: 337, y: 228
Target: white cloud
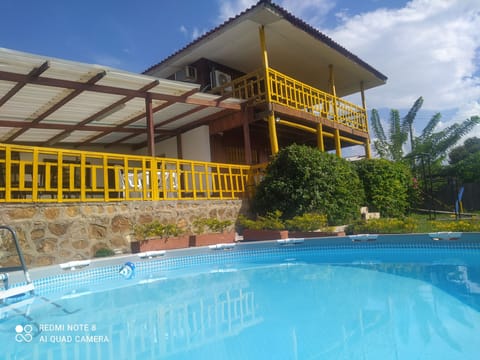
x: 428, y: 48
x: 231, y: 8
x: 311, y: 11
x: 183, y: 30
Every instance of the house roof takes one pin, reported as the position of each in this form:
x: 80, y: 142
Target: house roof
x: 52, y: 101
x: 294, y: 48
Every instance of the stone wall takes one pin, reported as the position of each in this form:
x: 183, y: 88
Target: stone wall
x: 56, y: 233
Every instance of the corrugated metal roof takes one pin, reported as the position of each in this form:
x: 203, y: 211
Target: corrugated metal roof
x: 54, y: 101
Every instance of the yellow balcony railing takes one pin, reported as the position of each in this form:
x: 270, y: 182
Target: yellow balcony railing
x: 287, y: 91
x: 36, y: 174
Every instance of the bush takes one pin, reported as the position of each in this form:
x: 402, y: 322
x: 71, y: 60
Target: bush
x: 384, y: 226
x: 214, y: 225
x: 388, y: 186
x: 301, y: 179
x: 155, y: 228
x: 273, y: 221
x: 104, y: 252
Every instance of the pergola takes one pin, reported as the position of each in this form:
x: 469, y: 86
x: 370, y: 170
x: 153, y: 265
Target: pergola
x: 53, y: 102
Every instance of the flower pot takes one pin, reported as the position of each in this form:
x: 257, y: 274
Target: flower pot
x: 260, y: 235
x: 170, y: 243
x: 212, y: 238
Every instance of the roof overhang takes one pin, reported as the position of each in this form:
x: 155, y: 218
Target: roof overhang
x: 52, y: 101
x: 294, y: 48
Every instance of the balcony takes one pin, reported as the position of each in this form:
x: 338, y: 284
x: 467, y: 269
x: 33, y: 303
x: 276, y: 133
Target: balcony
x: 47, y: 175
x: 295, y: 95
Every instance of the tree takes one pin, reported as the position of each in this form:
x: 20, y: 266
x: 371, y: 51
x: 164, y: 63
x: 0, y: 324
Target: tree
x: 302, y: 179
x: 464, y: 161
x: 437, y: 144
x: 434, y: 144
x: 459, y: 153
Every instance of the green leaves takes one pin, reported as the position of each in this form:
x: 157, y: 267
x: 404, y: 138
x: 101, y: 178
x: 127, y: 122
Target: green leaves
x: 301, y: 179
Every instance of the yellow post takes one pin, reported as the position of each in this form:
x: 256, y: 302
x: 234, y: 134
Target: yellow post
x: 335, y: 110
x: 368, y: 152
x: 272, y: 130
x: 338, y: 145
x: 320, y: 144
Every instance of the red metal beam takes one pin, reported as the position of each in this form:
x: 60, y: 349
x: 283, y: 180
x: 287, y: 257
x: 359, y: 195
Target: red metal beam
x: 59, y: 104
x: 102, y: 112
x: 126, y: 123
x: 67, y: 128
x: 68, y: 84
x: 150, y: 126
x: 33, y: 74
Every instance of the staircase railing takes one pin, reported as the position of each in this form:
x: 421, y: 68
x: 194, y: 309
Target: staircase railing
x: 7, y: 291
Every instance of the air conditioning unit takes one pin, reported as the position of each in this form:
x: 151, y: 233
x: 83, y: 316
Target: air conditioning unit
x: 221, y: 78
x: 190, y: 73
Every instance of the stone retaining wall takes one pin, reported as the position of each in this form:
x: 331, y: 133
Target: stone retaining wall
x: 56, y: 233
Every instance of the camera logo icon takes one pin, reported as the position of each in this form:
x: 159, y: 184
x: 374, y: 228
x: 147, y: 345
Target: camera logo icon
x: 23, y: 333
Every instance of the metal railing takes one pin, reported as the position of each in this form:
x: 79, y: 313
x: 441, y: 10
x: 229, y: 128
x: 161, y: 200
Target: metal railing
x: 37, y: 174
x: 287, y: 91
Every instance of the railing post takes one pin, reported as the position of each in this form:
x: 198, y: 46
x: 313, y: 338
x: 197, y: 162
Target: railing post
x: 83, y: 175
x: 35, y: 175
x: 8, y: 173
x: 60, y: 176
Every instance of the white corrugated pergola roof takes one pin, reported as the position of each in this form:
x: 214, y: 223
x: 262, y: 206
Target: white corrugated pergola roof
x: 51, y: 101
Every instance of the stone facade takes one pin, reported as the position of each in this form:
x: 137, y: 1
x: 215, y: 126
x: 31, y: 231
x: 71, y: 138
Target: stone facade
x: 56, y: 233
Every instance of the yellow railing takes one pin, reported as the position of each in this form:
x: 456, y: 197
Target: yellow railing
x: 296, y: 95
x: 36, y: 174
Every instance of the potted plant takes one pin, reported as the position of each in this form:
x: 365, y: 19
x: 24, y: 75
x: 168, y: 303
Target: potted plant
x: 158, y: 236
x: 210, y: 231
x: 268, y: 227
x: 272, y: 227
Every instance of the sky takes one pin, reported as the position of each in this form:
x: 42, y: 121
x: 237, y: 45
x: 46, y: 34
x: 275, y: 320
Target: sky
x: 428, y: 48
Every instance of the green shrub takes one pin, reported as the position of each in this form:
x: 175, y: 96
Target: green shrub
x: 387, y: 186
x: 104, y: 252
x: 301, y: 179
x: 307, y: 222
x: 384, y: 226
x: 214, y: 225
x: 271, y: 221
x: 156, y: 229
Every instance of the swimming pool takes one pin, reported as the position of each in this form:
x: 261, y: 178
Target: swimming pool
x: 390, y: 297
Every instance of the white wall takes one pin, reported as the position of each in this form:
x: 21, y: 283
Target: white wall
x: 167, y: 148
x: 196, y: 144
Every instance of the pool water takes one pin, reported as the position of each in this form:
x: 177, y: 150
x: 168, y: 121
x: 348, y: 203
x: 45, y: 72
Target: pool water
x: 374, y: 303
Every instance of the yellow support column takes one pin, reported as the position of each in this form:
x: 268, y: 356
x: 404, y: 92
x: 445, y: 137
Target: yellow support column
x: 368, y: 152
x: 320, y: 144
x: 272, y: 130
x: 338, y: 145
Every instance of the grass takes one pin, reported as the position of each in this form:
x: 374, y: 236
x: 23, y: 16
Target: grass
x: 415, y: 223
